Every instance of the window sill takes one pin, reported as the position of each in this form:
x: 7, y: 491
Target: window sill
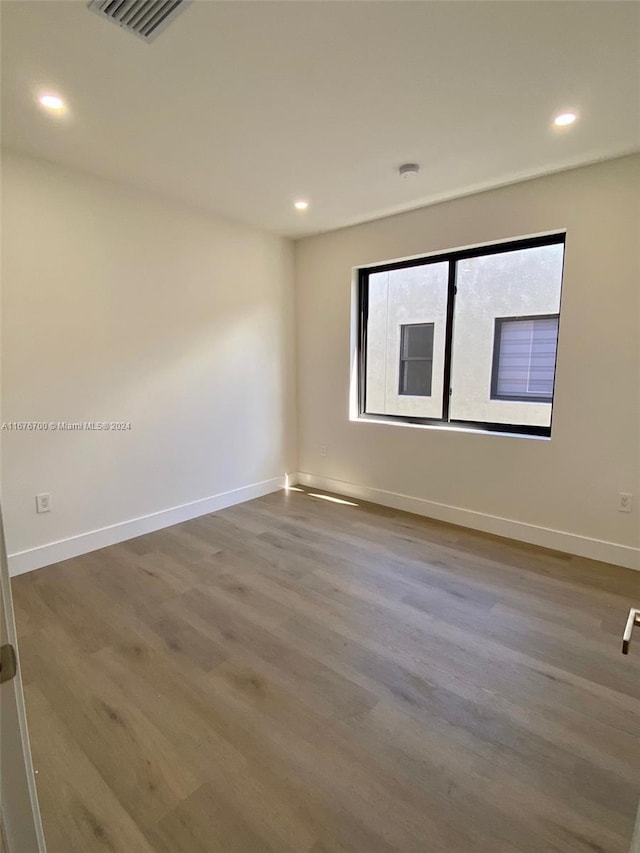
x: 371, y: 419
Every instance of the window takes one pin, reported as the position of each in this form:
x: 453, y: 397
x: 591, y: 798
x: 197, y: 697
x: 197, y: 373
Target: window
x: 466, y: 338
x: 524, y: 358
x: 416, y: 359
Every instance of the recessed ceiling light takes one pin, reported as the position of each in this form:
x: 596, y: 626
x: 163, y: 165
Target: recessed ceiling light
x: 52, y: 102
x: 301, y: 205
x: 564, y: 119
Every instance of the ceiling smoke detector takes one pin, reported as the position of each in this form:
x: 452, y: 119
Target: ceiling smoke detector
x: 408, y: 170
x: 146, y: 19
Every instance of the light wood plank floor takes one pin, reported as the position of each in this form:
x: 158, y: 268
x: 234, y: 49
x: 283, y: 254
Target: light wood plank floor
x: 300, y: 676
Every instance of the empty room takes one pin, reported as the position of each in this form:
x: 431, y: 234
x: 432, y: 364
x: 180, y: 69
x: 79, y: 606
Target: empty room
x: 320, y: 426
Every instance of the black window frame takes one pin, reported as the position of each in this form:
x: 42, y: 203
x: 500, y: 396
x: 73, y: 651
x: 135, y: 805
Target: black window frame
x: 452, y: 257
x: 405, y: 358
x: 495, y: 361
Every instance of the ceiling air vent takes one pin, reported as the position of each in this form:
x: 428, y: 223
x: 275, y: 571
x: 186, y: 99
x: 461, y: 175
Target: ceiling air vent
x: 144, y: 18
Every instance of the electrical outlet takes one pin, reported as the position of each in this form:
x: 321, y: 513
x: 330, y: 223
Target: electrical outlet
x: 323, y: 450
x: 43, y: 503
x: 625, y: 502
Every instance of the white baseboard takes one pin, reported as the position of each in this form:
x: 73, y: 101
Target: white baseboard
x: 571, y: 543
x: 558, y: 540
x: 74, y: 546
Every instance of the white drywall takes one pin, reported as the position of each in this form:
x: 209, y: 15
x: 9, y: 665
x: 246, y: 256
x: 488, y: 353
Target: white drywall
x: 119, y: 307
x: 567, y: 486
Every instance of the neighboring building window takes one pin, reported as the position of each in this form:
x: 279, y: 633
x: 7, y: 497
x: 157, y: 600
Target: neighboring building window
x: 416, y: 359
x: 524, y: 359
x: 468, y: 337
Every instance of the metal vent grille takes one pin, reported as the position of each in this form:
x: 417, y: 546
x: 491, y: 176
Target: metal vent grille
x: 144, y: 18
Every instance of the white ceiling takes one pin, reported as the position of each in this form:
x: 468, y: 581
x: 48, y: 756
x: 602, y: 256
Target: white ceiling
x: 243, y: 107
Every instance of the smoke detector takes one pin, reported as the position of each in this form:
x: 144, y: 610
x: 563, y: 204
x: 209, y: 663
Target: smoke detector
x: 146, y: 19
x: 408, y: 170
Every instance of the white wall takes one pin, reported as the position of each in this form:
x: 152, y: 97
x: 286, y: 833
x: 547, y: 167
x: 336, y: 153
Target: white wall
x: 117, y: 306
x: 561, y: 492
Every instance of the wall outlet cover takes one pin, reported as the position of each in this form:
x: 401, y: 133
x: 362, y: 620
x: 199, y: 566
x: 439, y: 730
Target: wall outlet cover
x: 625, y: 502
x: 43, y: 503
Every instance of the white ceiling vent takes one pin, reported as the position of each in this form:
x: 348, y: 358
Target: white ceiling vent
x: 144, y: 18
